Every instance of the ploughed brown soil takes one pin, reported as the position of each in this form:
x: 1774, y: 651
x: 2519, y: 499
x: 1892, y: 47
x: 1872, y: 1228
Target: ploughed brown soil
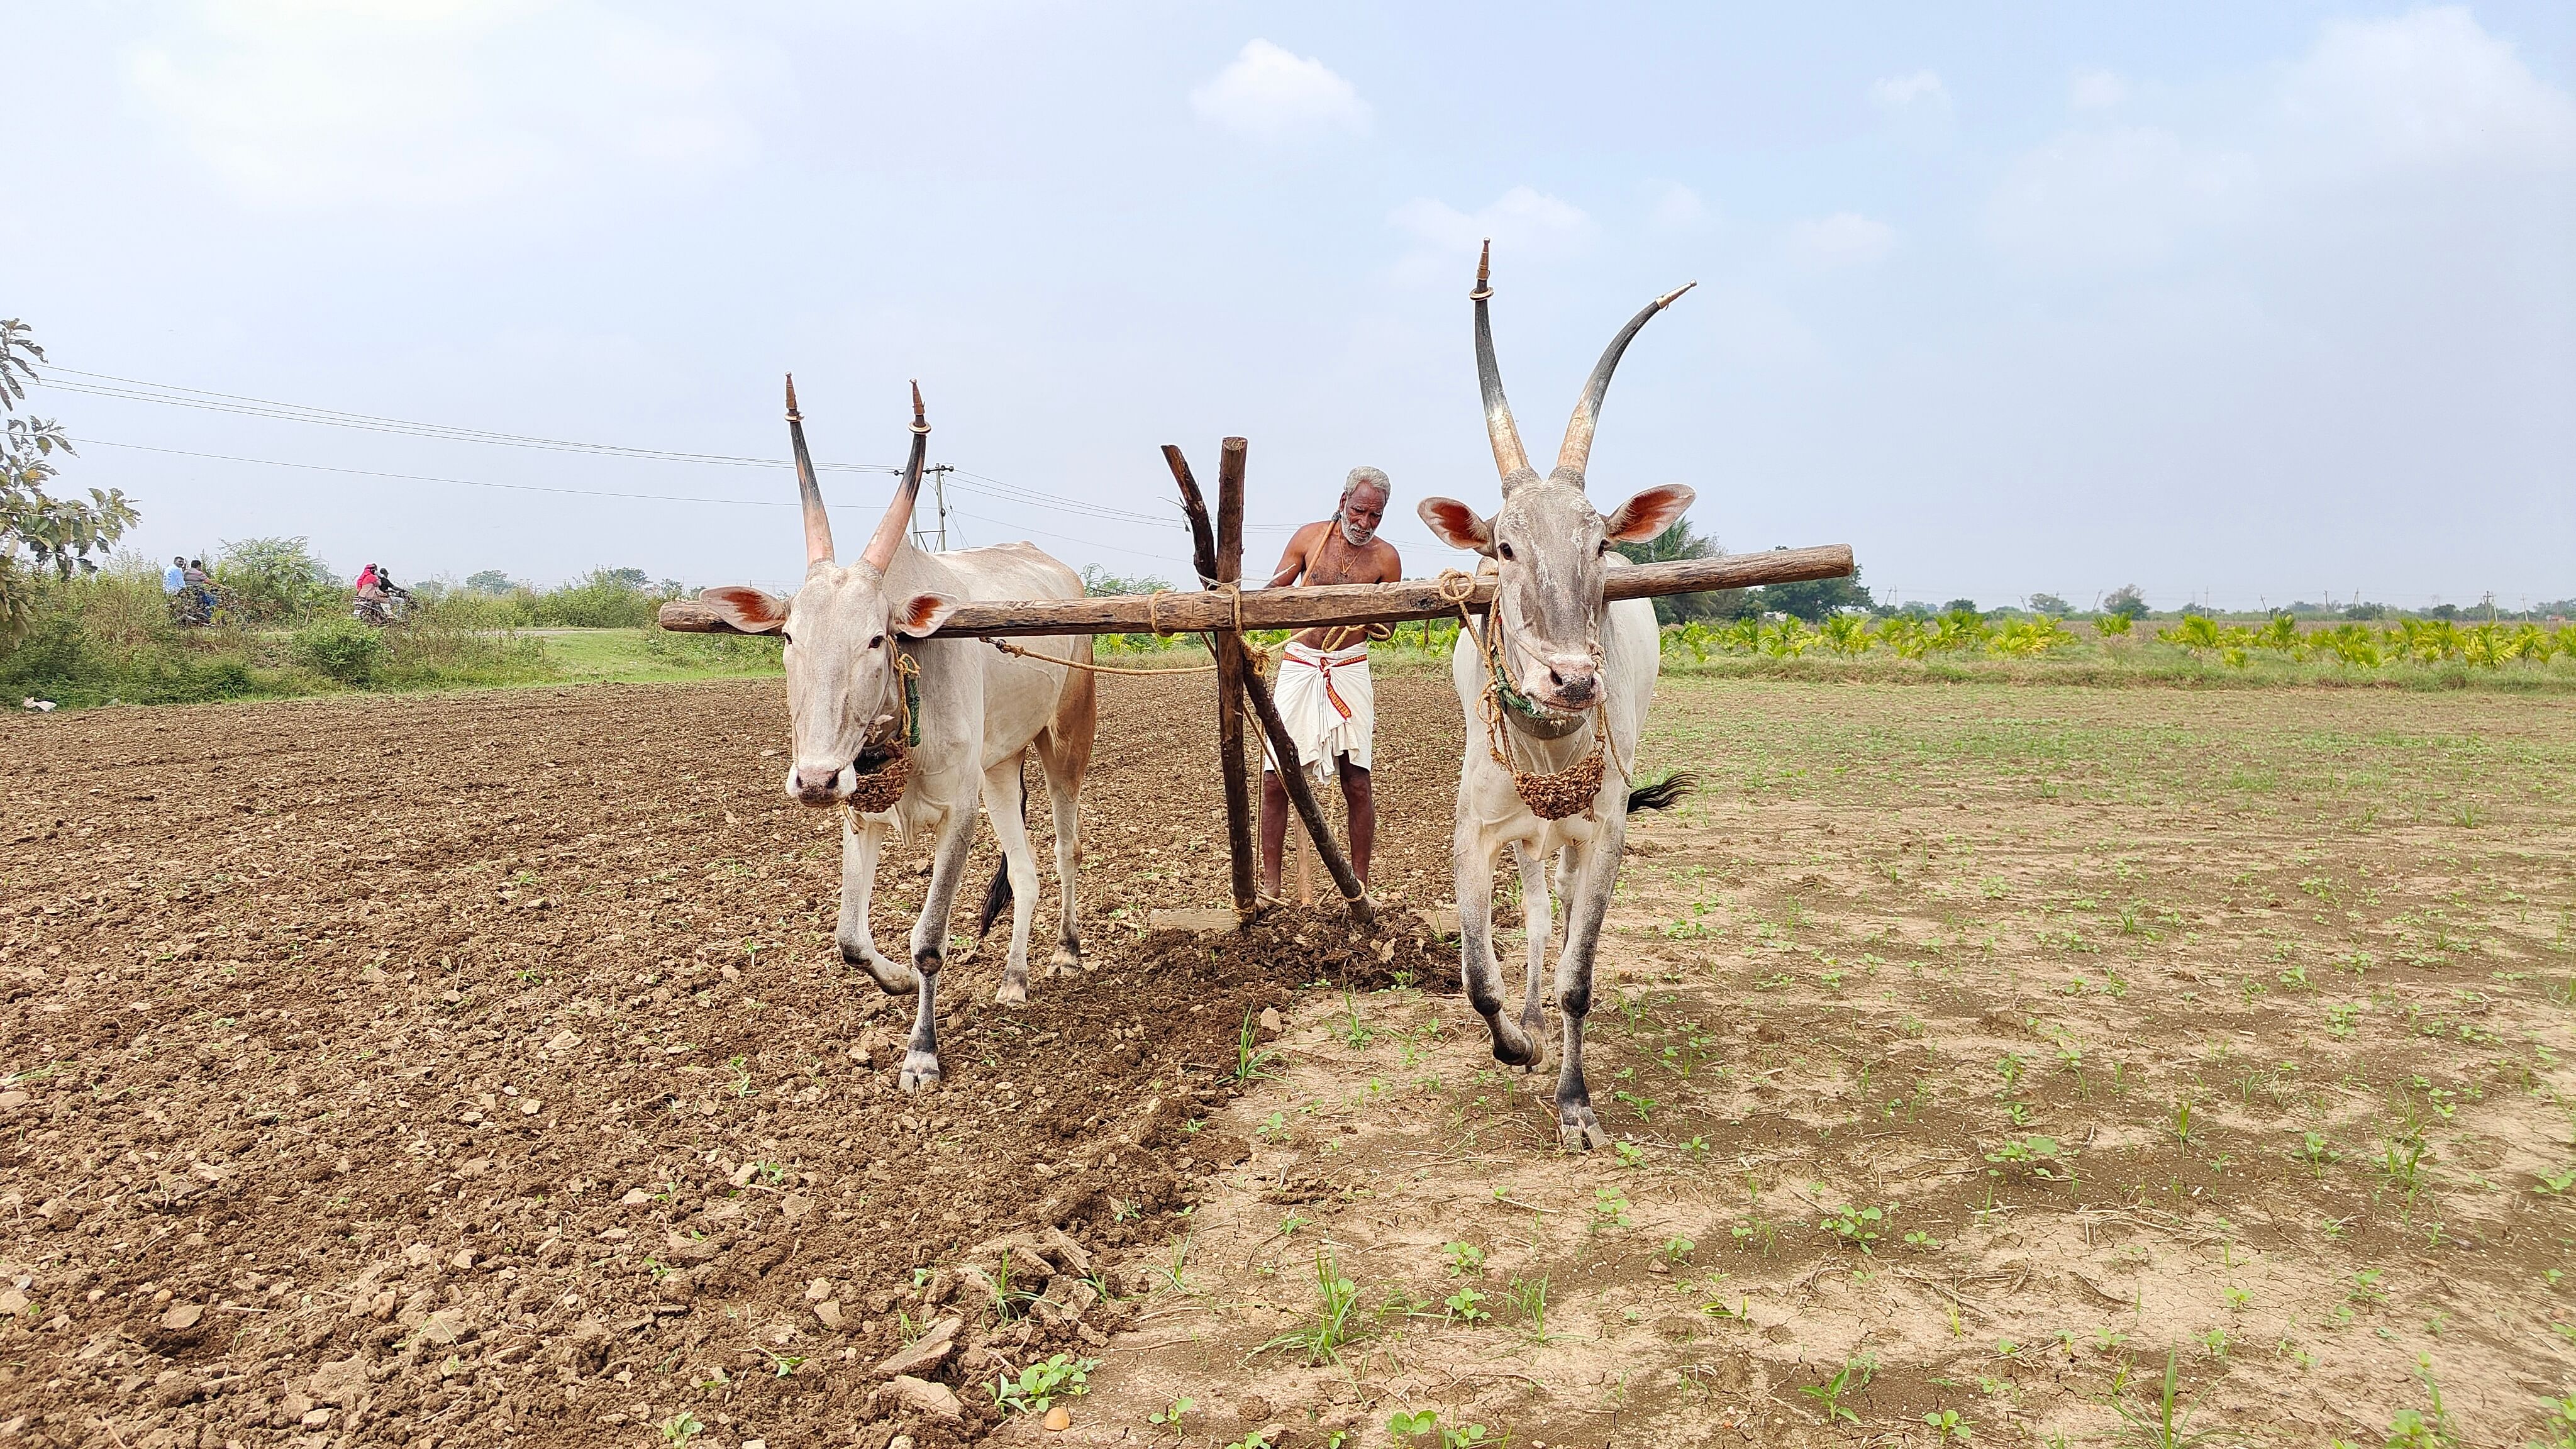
x: 478, y: 1069
x: 450, y: 1070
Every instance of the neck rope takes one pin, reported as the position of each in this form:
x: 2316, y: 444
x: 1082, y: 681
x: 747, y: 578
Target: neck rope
x: 1557, y: 794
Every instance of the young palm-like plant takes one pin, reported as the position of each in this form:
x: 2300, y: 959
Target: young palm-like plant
x: 2157, y: 1424
x: 2195, y: 632
x: 1846, y: 634
x: 1904, y: 636
x: 1960, y: 629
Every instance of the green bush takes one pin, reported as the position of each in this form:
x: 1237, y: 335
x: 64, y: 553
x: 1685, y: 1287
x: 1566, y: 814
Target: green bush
x: 602, y: 599
x: 341, y: 649
x: 277, y: 580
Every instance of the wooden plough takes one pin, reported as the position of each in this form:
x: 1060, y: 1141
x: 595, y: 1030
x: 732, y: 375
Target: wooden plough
x: 1221, y: 609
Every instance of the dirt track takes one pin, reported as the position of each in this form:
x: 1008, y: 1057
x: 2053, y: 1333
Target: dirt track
x: 436, y: 1070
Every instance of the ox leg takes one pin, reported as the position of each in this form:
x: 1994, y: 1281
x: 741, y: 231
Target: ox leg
x: 1476, y: 856
x: 1578, y: 1127
x: 859, y: 849
x: 930, y: 946
x: 1064, y: 795
x: 1537, y: 926
x: 1002, y: 787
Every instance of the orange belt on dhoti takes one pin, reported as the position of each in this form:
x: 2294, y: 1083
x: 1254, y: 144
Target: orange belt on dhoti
x: 1323, y: 664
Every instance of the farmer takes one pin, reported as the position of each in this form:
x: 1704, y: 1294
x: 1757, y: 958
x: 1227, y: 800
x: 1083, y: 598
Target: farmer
x: 175, y: 577
x: 1324, y: 695
x: 199, y: 584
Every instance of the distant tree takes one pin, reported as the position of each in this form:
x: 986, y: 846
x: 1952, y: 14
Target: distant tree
x: 2443, y: 611
x: 2366, y: 611
x: 275, y: 579
x: 1676, y: 543
x: 2050, y: 604
x: 1814, y: 600
x: 1961, y: 606
x: 490, y: 581
x: 57, y: 533
x: 635, y: 579
x: 2126, y: 602
x: 1098, y: 582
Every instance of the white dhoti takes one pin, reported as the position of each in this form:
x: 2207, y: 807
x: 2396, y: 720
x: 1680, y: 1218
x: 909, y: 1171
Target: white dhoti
x: 1329, y: 706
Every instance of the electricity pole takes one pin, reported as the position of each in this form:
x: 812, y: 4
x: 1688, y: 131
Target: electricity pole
x: 922, y: 538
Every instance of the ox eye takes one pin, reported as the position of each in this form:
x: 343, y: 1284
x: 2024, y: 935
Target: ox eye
x: 1503, y: 551
x: 877, y: 642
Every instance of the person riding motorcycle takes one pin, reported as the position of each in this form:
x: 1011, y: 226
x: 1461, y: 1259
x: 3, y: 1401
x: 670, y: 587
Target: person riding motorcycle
x: 376, y: 593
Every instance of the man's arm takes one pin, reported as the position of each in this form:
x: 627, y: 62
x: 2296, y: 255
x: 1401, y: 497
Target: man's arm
x: 1393, y: 570
x: 1292, y: 564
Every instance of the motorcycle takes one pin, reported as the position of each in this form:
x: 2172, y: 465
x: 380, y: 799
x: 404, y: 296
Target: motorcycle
x: 382, y: 612
x: 198, y: 608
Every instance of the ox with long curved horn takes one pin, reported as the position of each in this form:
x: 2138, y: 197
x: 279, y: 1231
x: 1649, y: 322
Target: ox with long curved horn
x: 898, y: 514
x: 1509, y: 459
x: 818, y: 524
x: 1577, y: 452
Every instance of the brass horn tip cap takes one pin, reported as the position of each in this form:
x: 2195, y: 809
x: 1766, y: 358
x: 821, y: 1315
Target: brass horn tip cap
x: 1674, y: 295
x: 791, y: 397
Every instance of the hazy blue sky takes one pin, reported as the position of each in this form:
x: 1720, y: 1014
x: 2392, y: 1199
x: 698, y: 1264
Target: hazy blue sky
x: 2234, y: 301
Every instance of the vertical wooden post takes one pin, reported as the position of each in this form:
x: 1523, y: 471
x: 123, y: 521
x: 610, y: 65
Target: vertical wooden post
x: 1228, y: 649
x: 1291, y: 770
x: 1229, y: 681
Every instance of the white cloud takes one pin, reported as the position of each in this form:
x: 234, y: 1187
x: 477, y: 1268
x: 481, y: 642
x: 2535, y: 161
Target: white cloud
x: 2426, y: 88
x: 1677, y: 208
x: 2096, y: 90
x: 1916, y: 108
x: 1522, y: 220
x: 2122, y: 197
x: 1274, y: 95
x: 1844, y: 239
x: 1920, y: 92
x: 2426, y: 99
x: 300, y: 102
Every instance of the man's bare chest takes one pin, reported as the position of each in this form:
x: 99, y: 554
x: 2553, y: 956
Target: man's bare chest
x: 1335, y: 562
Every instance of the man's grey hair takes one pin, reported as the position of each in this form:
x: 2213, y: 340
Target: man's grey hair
x: 1366, y: 477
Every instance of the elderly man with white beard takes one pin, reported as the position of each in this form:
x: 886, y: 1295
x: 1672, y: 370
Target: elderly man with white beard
x: 1324, y: 695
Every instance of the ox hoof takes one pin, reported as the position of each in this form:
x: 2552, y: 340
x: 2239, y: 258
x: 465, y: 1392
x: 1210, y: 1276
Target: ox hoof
x: 920, y: 1069
x: 1529, y: 1053
x: 1014, y: 991
x: 1578, y: 1130
x: 1063, y: 963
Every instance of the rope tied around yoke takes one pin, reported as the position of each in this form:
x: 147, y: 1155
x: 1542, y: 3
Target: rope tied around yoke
x: 1153, y: 621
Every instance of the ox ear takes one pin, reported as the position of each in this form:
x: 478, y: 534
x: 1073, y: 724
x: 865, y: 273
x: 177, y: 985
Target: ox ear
x: 746, y: 609
x: 1648, y: 514
x: 921, y: 614
x: 1457, y: 525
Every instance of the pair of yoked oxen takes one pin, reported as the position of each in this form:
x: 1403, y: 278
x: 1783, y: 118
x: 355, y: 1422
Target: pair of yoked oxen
x: 863, y: 673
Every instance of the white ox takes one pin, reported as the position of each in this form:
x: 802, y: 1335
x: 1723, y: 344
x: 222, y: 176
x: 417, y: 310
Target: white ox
x: 1575, y: 663
x: 980, y: 713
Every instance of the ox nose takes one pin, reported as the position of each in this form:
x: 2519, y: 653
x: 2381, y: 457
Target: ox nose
x: 1574, y: 681
x: 813, y: 784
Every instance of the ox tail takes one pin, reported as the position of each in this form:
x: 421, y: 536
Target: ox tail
x: 997, y: 896
x: 1665, y: 793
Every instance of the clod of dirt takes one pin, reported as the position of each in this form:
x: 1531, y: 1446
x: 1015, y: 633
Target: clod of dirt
x: 932, y: 1351
x: 183, y: 1317
x: 925, y: 1397
x: 339, y: 1382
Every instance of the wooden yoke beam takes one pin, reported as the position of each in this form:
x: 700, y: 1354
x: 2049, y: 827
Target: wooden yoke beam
x: 1313, y: 606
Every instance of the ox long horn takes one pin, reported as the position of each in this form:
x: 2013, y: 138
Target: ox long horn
x: 898, y: 514
x: 1509, y: 459
x: 1577, y: 452
x: 818, y: 524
